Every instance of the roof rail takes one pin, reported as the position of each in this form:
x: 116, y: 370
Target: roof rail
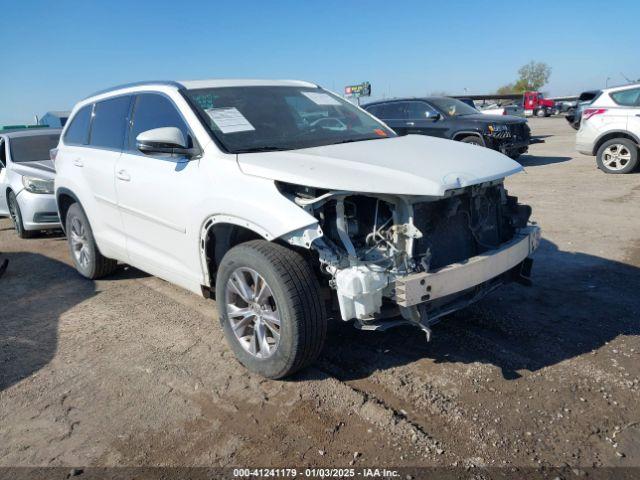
x: 136, y: 84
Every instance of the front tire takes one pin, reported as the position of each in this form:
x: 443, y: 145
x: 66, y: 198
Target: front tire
x: 270, y: 308
x: 541, y: 112
x: 618, y: 155
x: 16, y: 217
x: 86, y: 256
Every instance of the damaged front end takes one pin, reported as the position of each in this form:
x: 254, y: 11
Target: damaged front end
x: 398, y: 259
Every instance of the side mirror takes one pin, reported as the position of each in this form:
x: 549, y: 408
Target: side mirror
x: 434, y: 116
x: 167, y: 140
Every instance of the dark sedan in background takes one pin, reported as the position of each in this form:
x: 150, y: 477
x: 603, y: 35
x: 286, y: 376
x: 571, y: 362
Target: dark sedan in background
x: 452, y: 119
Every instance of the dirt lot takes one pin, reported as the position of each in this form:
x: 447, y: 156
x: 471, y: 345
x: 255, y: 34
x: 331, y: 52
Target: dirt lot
x: 134, y: 371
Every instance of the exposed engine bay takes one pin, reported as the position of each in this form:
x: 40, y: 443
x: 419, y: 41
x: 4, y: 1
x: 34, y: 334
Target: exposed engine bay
x: 386, y: 255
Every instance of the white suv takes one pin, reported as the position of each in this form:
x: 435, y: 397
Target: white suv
x: 610, y: 129
x: 290, y: 206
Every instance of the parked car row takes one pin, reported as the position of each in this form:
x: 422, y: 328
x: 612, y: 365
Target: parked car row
x: 610, y: 129
x: 290, y: 206
x: 511, y: 108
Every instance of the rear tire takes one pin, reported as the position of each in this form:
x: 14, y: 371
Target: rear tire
x: 472, y: 140
x: 279, y: 332
x: 16, y: 217
x: 617, y: 156
x: 85, y: 254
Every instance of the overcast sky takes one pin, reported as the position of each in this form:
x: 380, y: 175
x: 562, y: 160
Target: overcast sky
x: 55, y: 53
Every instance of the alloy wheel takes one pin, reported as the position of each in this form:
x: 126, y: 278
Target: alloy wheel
x: 616, y: 157
x: 79, y: 242
x: 252, y: 312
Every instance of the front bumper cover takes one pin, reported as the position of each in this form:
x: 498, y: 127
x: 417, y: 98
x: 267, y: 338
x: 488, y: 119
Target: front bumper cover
x: 39, y: 210
x: 417, y: 288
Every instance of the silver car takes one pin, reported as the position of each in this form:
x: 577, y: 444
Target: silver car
x: 26, y: 179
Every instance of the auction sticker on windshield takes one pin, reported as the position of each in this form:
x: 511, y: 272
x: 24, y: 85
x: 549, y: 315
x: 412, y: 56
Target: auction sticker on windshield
x: 321, y: 98
x: 229, y: 120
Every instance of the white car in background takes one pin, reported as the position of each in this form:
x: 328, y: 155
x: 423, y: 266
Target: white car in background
x: 511, y: 109
x: 610, y: 129
x: 26, y: 180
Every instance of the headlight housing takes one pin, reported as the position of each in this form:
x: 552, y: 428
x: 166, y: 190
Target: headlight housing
x: 37, y: 185
x: 497, y: 128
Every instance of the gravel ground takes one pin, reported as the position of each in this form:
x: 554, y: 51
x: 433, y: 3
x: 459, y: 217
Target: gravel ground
x: 133, y: 371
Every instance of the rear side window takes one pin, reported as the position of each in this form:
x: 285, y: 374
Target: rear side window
x: 627, y: 98
x: 389, y: 111
x: 78, y: 131
x: 3, y: 155
x: 155, y: 111
x: 374, y: 110
x: 109, y: 123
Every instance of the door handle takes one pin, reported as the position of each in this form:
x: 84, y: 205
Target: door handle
x: 411, y: 124
x: 77, y: 162
x: 123, y: 175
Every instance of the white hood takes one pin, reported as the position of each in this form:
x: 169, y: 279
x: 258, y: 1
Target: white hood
x: 43, y: 169
x: 410, y: 165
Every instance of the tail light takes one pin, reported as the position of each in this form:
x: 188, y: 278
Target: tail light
x: 504, y: 112
x: 53, y: 153
x: 590, y: 112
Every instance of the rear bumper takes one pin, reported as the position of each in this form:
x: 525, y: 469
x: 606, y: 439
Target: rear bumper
x: 585, y: 148
x: 39, y: 211
x: 423, y: 287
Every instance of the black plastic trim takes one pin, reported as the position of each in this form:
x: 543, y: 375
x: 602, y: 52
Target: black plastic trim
x: 65, y: 191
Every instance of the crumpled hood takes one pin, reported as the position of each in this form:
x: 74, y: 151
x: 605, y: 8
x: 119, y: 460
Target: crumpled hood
x: 410, y: 165
x: 43, y: 169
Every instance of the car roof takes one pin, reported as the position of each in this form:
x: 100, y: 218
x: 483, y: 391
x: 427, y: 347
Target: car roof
x: 406, y: 99
x: 244, y: 82
x: 621, y: 87
x: 30, y: 132
x: 209, y: 83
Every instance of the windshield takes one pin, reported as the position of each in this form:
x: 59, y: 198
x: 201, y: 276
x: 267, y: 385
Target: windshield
x: 260, y: 118
x: 452, y: 107
x: 32, y: 148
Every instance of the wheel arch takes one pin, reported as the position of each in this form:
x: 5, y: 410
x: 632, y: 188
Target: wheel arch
x: 6, y: 194
x: 605, y: 137
x: 218, y: 235
x: 466, y: 133
x: 64, y: 199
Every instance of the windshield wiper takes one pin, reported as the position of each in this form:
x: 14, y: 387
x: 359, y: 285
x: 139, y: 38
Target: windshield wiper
x: 265, y: 148
x: 351, y: 140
